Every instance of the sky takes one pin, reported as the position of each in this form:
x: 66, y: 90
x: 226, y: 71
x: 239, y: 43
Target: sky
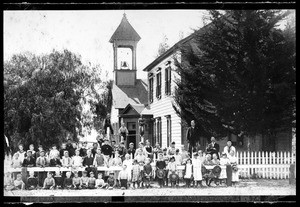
x: 87, y: 33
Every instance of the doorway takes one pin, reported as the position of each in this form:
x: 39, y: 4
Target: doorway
x: 131, y: 127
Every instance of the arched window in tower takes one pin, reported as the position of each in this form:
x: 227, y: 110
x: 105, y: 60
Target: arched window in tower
x: 124, y: 58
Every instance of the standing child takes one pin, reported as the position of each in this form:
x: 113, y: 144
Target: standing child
x: 111, y: 181
x: 8, y: 181
x: 224, y: 161
x: 128, y: 163
x: 197, y: 173
x: 18, y: 183
x: 172, y: 169
x: 49, y: 182
x: 235, y: 172
x: 141, y: 175
x: 91, y: 181
x: 117, y: 161
x: 84, y: 180
x: 188, y: 172
x: 123, y: 177
x: 68, y: 182
x: 58, y: 180
x: 41, y: 161
x: 135, y: 173
x: 147, y: 172
x: 76, y: 181
x: 32, y: 182
x: 160, y: 170
x: 100, y: 182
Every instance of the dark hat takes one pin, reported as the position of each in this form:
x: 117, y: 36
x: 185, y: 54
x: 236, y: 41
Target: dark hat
x: 173, y: 143
x: 131, y: 143
x: 111, y: 173
x: 172, y: 158
x: 195, y: 154
x: 177, y: 150
x: 29, y: 151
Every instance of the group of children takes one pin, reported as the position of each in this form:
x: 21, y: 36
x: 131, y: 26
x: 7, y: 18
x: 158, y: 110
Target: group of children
x: 139, y: 169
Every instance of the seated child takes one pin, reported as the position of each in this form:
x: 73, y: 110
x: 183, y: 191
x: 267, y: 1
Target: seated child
x: 58, y: 180
x: 76, y: 181
x: 8, y: 181
x: 215, y: 159
x: 111, y: 181
x: 66, y: 161
x: 32, y: 182
x: 16, y: 163
x: 55, y: 161
x: 188, y: 172
x: 207, y: 160
x: 68, y: 182
x: 135, y: 173
x: 18, y: 183
x: 100, y: 182
x: 147, y: 172
x: 91, y: 181
x: 84, y: 180
x: 49, y: 182
x: 29, y: 160
x: 123, y: 177
x: 172, y: 169
x: 77, y: 160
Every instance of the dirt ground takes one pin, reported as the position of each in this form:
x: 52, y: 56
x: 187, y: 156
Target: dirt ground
x: 246, y: 187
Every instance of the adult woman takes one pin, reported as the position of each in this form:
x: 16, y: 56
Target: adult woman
x: 228, y: 148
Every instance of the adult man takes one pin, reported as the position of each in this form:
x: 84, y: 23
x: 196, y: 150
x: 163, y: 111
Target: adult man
x: 213, y: 147
x: 229, y: 148
x: 106, y: 124
x: 192, y: 137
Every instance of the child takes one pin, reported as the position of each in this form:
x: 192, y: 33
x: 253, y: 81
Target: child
x: 224, y: 161
x: 8, y: 181
x: 40, y: 148
x: 140, y: 157
x: 84, y: 180
x: 58, y: 180
x: 77, y: 160
x: 184, y: 154
x: 88, y: 162
x: 76, y: 181
x: 197, y: 173
x: 235, y: 172
x: 161, y: 165
x: 41, y: 161
x: 22, y: 153
x: 18, y: 183
x: 55, y: 161
x: 91, y: 181
x: 117, y: 161
x: 188, y: 172
x: 49, y: 182
x: 29, y: 161
x: 32, y: 182
x: 66, y: 161
x: 123, y: 177
x: 68, y: 182
x: 99, y: 158
x: 147, y: 172
x: 111, y: 181
x: 16, y: 162
x: 53, y: 152
x: 178, y: 161
x: 62, y: 150
x: 207, y: 160
x: 31, y: 148
x: 215, y: 159
x: 172, y: 168
x: 100, y: 182
x: 141, y: 175
x: 135, y: 173
x: 128, y: 163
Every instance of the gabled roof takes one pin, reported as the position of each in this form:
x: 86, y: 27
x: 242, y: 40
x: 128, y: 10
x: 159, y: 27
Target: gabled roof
x: 134, y: 95
x: 137, y: 108
x: 125, y: 32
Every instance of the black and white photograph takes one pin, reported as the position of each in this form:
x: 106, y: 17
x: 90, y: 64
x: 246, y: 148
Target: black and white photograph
x: 149, y: 105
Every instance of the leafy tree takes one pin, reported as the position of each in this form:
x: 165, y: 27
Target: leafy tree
x: 44, y: 97
x: 238, y: 75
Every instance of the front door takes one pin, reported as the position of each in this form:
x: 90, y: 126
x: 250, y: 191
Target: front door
x: 131, y: 126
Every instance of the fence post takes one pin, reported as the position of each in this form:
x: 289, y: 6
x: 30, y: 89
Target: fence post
x: 292, y: 179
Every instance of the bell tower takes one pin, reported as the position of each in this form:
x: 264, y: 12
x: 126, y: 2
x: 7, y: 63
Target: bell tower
x: 124, y: 41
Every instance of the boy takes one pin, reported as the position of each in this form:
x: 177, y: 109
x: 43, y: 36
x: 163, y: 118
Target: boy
x: 147, y: 172
x: 66, y: 161
x: 49, y: 182
x: 41, y: 161
x: 18, y: 183
x: 83, y: 150
x: 29, y: 161
x: 91, y: 181
x: 55, y: 161
x: 40, y: 148
x: 58, y: 180
x: 62, y: 150
x: 53, y: 152
x: 31, y: 148
x: 111, y: 181
x: 76, y: 181
x: 100, y: 182
x: 68, y: 182
x: 135, y: 173
x: 161, y: 165
x: 32, y: 182
x: 84, y: 180
x: 123, y: 177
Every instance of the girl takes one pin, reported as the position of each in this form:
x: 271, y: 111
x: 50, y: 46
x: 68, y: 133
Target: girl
x: 235, y: 172
x: 135, y: 173
x: 100, y: 182
x: 31, y: 148
x: 58, y: 179
x: 117, y: 161
x: 53, y: 152
x: 188, y: 172
x: 141, y: 148
x: 66, y: 161
x: 215, y: 160
x: 140, y: 157
x: 161, y: 165
x: 172, y: 168
x: 197, y: 173
x: 18, y: 183
x: 224, y: 161
x: 147, y: 172
x: 32, y: 182
x: 76, y: 181
x: 21, y: 152
x: 77, y: 160
x: 148, y: 150
x: 123, y: 132
x: 8, y: 181
x: 128, y: 163
x: 16, y: 162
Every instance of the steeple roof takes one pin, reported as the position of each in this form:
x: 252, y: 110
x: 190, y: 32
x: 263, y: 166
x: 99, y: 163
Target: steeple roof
x: 125, y: 32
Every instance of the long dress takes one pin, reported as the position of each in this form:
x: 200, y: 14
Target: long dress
x: 235, y: 174
x: 197, y: 164
x: 128, y: 163
x: 135, y: 172
x: 188, y: 171
x: 223, y: 162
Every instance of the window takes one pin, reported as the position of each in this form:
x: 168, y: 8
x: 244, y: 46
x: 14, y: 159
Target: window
x: 168, y: 80
x: 151, y: 89
x: 154, y: 131
x: 158, y: 85
x: 158, y: 130
x: 169, y: 130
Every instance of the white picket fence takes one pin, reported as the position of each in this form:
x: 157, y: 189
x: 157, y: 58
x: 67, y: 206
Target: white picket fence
x: 270, y: 165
